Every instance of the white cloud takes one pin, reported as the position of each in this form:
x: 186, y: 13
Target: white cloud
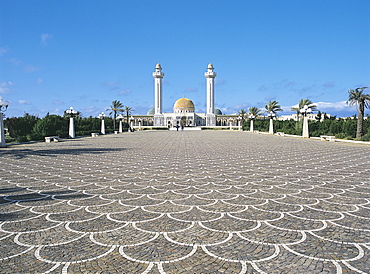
x: 5, y: 87
x: 3, y: 51
x: 15, y: 61
x: 329, y: 84
x: 91, y: 111
x: 220, y: 81
x: 24, y: 102
x: 112, y: 85
x: 45, y: 38
x: 29, y: 68
x: 125, y: 91
x: 58, y: 102
x: 190, y: 90
x: 337, y: 106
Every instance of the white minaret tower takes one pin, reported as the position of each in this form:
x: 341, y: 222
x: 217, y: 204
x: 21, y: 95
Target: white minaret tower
x: 210, y: 76
x: 158, y: 115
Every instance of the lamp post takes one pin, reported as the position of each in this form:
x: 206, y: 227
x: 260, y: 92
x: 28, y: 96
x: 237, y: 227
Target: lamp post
x: 272, y: 115
x: 132, y: 124
x: 120, y: 117
x: 231, y: 123
x: 139, y: 123
x: 304, y: 111
x: 251, y: 117
x: 239, y: 123
x: 3, y: 107
x: 102, y: 116
x: 72, y: 113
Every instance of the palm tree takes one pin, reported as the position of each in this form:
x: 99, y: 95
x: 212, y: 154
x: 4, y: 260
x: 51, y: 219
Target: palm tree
x: 115, y: 108
x: 271, y: 108
x: 253, y: 112
x: 301, y: 104
x: 362, y: 101
x: 128, y: 111
x: 242, y: 115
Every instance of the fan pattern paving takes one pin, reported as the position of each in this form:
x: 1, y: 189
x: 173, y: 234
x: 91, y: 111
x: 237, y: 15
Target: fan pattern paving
x: 185, y: 202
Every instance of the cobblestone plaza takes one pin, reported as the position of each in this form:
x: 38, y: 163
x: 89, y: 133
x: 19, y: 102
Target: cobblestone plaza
x: 185, y: 202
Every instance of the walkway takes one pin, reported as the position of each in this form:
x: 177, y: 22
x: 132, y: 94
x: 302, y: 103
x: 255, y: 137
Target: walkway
x: 185, y: 202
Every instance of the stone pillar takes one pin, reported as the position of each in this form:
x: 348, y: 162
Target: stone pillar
x: 120, y: 126
x: 72, y: 133
x: 2, y: 134
x: 305, y: 133
x: 158, y: 115
x: 252, y: 126
x: 132, y: 125
x: 210, y: 76
x: 271, y: 129
x: 102, y: 130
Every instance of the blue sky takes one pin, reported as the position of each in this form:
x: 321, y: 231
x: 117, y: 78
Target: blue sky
x: 87, y: 53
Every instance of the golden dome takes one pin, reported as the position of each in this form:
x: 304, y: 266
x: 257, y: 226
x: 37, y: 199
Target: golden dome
x: 184, y: 105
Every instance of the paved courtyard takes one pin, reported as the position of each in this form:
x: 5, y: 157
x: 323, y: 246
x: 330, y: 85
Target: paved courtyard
x: 185, y: 202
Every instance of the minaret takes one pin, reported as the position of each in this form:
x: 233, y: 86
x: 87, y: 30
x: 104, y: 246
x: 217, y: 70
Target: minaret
x: 210, y: 76
x: 158, y: 115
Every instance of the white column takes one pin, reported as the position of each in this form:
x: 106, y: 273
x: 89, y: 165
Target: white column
x: 271, y: 129
x: 120, y: 126
x: 2, y: 134
x: 210, y: 76
x: 158, y: 115
x: 305, y: 133
x: 71, y: 128
x: 252, y: 126
x: 132, y: 125
x: 102, y: 130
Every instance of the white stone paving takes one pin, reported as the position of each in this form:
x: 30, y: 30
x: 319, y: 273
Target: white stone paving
x: 185, y: 202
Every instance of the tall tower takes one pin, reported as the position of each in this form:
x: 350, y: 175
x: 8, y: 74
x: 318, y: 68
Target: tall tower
x: 210, y: 76
x: 158, y: 115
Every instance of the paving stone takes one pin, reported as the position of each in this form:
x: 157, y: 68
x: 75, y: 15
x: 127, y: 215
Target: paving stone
x: 185, y: 202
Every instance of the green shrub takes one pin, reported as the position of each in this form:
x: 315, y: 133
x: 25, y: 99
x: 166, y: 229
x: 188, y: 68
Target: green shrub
x: 20, y: 128
x: 365, y: 137
x: 50, y: 125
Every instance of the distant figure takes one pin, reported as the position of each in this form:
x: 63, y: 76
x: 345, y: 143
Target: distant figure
x: 182, y: 127
x: 177, y: 127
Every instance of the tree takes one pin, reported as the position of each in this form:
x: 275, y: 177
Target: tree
x: 50, y: 125
x: 272, y: 107
x: 301, y: 104
x: 362, y: 101
x: 20, y: 128
x: 242, y: 115
x: 115, y: 108
x: 255, y: 111
x: 128, y: 111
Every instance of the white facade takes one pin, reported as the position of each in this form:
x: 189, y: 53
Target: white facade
x: 179, y: 116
